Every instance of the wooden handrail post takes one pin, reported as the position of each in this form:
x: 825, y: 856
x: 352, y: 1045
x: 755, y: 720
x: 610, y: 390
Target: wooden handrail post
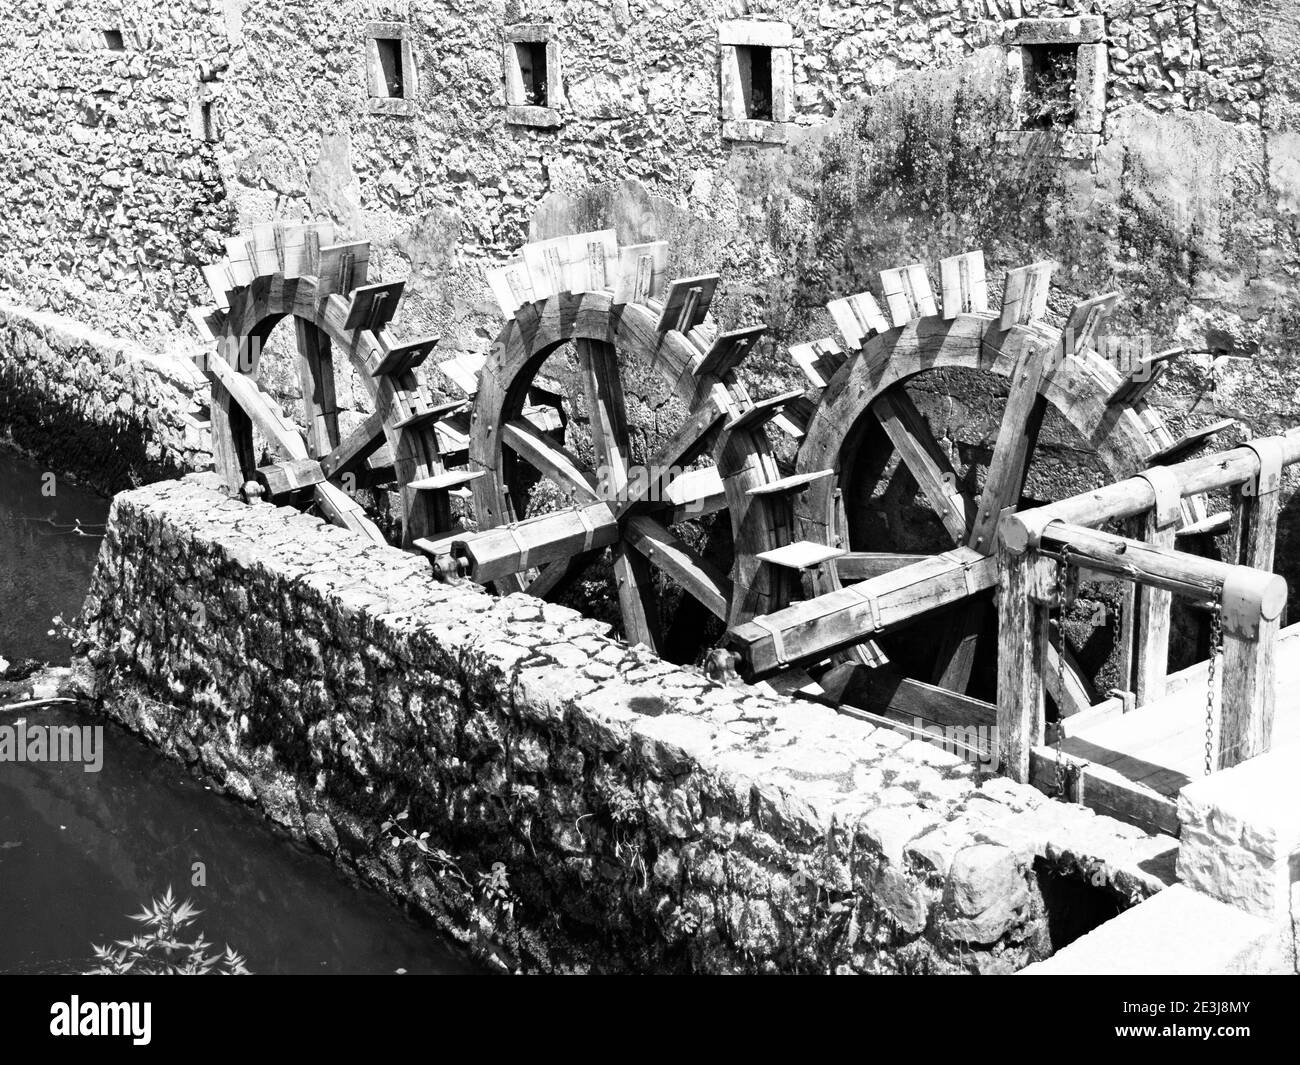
x: 1248, y: 693
x: 1022, y: 643
x: 1151, y: 662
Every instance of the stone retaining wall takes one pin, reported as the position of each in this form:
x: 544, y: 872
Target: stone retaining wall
x: 587, y: 806
x: 89, y: 404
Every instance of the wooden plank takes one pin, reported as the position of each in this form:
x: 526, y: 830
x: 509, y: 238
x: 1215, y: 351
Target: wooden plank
x: 1144, y: 376
x: 908, y: 293
x: 448, y: 479
x: 728, y: 351
x: 1110, y: 793
x: 1087, y: 320
x: 511, y: 286
x: 642, y: 272
x: 879, y: 690
x: 1022, y: 641
x: 858, y: 317
x: 818, y: 359
x: 801, y: 555
x: 1076, y: 698
x: 344, y: 511
x: 862, y: 565
x: 687, y: 303
x: 418, y: 419
x: 373, y: 306
x: 551, y: 459
x: 1189, y: 443
x: 762, y: 412
x: 1213, y: 525
x: 964, y: 284
x: 463, y: 371
x: 910, y: 434
x: 342, y: 267
x: 669, y: 553
x: 403, y: 358
x: 1024, y: 298
x: 794, y: 483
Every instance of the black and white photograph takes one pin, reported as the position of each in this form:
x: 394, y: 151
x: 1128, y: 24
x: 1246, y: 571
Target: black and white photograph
x: 649, y: 487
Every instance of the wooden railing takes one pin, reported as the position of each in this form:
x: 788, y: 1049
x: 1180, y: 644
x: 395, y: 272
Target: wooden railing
x: 1248, y: 597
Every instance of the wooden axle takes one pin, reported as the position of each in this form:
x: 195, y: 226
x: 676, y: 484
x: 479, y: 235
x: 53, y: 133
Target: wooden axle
x: 508, y: 549
x: 834, y: 620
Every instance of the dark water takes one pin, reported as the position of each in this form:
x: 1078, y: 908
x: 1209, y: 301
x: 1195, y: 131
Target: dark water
x: 79, y: 851
x: 48, y: 545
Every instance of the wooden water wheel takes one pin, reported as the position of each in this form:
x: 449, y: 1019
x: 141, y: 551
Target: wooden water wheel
x: 860, y: 398
x: 615, y: 305
x: 299, y: 272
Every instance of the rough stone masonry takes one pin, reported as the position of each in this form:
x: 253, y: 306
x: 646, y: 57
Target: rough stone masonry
x: 571, y: 803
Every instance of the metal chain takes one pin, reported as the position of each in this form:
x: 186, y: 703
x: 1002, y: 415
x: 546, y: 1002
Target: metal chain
x: 1216, y: 646
x: 1062, y: 565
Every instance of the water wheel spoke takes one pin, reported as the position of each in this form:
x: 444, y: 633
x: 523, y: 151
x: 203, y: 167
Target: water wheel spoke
x: 281, y: 434
x: 910, y: 434
x: 316, y: 370
x: 636, y: 598
x: 551, y: 459
x: 1017, y: 436
x: 690, y: 441
x: 607, y: 412
x: 671, y: 555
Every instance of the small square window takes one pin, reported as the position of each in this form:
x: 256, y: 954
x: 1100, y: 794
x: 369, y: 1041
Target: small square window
x: 534, y: 91
x: 114, y: 41
x: 756, y: 80
x: 390, y: 69
x: 1058, y: 74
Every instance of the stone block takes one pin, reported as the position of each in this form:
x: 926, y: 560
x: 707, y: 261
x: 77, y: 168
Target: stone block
x: 1240, y: 834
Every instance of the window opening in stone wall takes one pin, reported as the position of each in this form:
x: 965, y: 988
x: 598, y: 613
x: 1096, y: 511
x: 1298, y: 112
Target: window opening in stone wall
x: 114, y: 41
x: 531, y: 57
x: 392, y: 81
x: 1050, y: 71
x: 756, y: 80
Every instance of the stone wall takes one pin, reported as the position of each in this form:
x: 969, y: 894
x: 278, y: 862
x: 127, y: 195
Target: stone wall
x: 571, y: 803
x: 88, y: 404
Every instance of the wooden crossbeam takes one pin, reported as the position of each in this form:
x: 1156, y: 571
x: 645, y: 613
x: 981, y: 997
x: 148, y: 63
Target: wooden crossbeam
x: 728, y: 350
x: 666, y: 551
x: 293, y: 475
